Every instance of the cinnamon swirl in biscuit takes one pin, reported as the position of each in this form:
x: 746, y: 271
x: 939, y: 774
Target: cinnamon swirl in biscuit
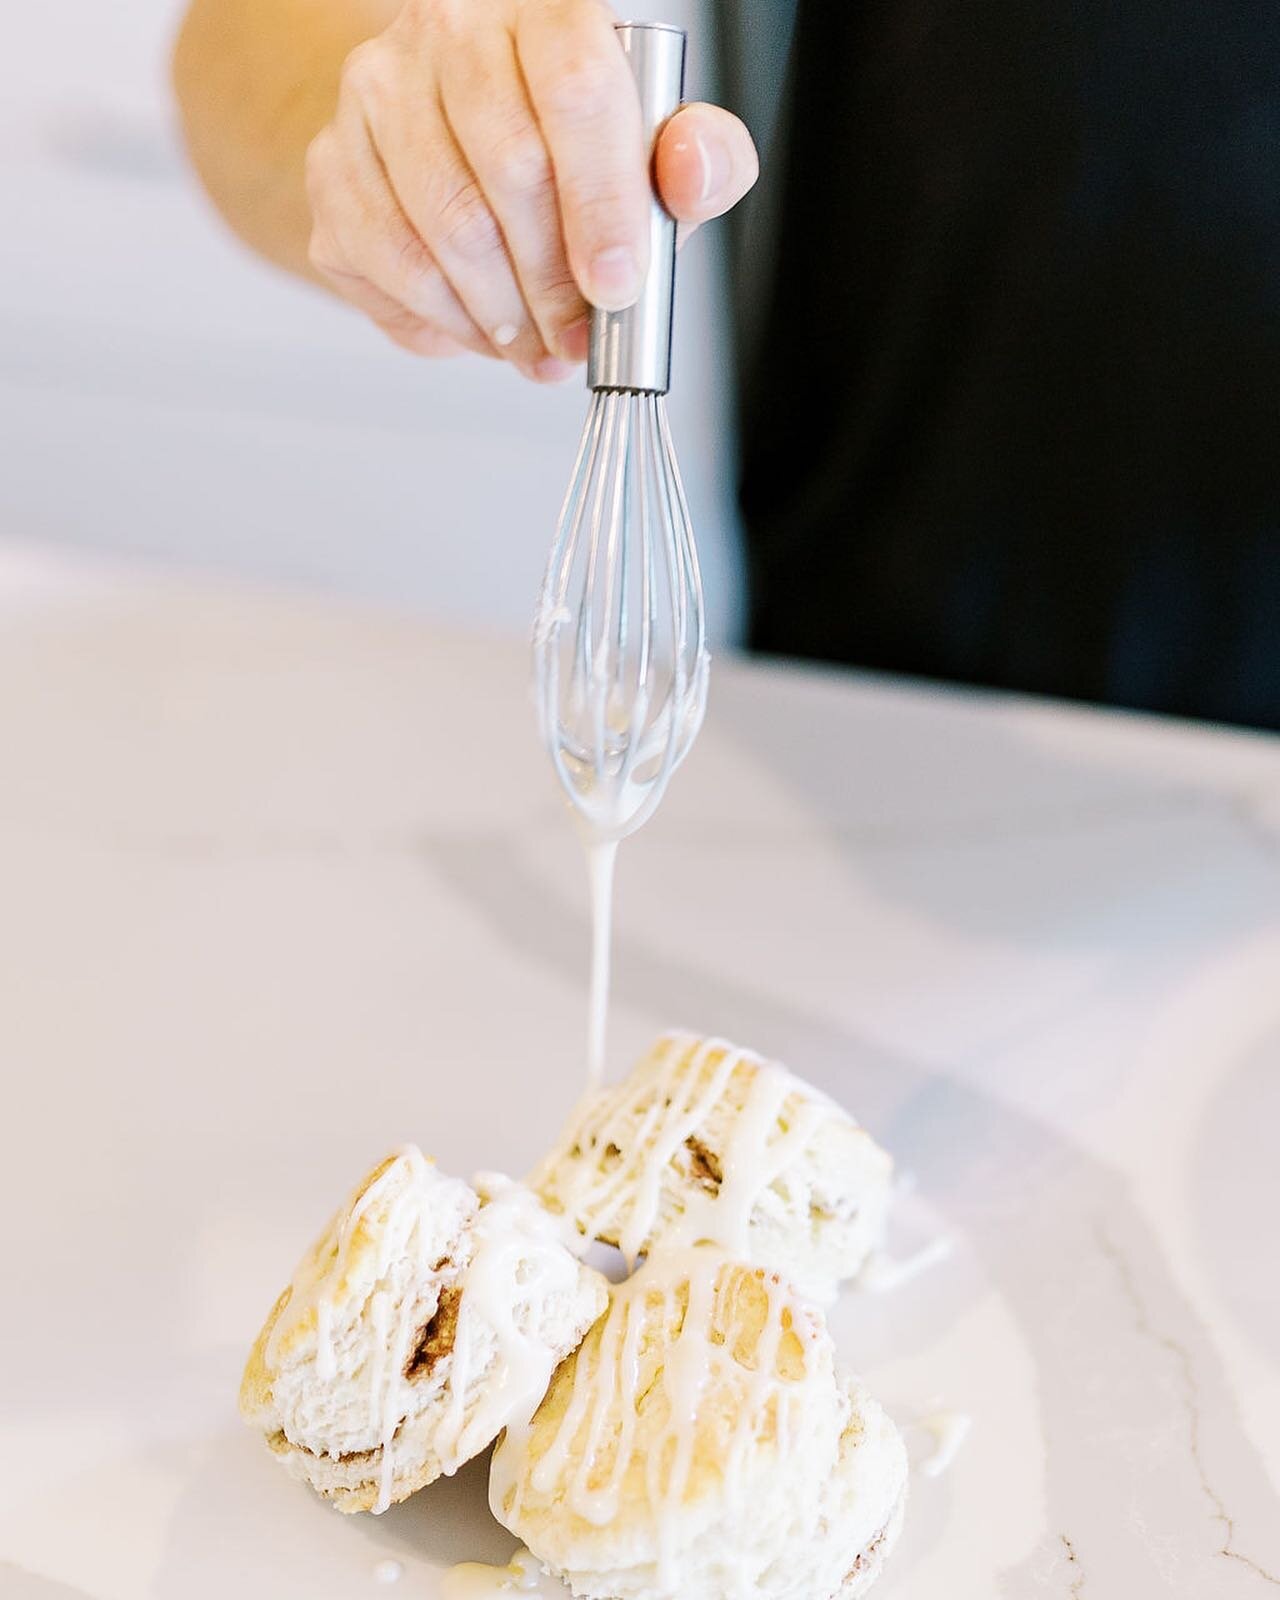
x: 704, y: 1141
x: 426, y: 1318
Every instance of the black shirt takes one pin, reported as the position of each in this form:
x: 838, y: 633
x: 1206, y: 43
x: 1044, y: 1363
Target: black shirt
x: 1015, y: 415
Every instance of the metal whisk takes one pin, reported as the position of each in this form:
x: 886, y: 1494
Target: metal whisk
x: 620, y: 656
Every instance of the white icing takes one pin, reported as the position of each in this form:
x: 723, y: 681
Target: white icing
x: 882, y: 1273
x: 614, y: 745
x: 325, y: 1359
x: 611, y: 806
x: 392, y: 1391
x: 325, y: 1267
x: 601, y: 859
x: 948, y: 1431
x: 648, y: 1121
x: 516, y: 1262
x: 586, y: 1462
x: 523, y: 1574
x: 512, y: 1231
x: 620, y: 662
x: 387, y: 1572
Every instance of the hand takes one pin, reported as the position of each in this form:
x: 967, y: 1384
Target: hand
x: 484, y: 178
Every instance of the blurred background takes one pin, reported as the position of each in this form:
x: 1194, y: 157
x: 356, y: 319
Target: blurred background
x: 1012, y: 424
x: 166, y: 396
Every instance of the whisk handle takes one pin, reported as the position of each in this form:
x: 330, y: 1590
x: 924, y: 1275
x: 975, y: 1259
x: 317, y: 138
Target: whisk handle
x: 631, y: 349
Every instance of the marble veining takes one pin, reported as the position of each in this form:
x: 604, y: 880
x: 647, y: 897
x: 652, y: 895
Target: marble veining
x: 1076, y: 1575
x: 271, y: 908
x: 977, y: 1156
x: 1185, y: 1367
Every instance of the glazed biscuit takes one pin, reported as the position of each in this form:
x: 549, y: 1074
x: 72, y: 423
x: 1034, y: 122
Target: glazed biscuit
x: 427, y: 1317
x: 706, y: 1142
x: 701, y: 1442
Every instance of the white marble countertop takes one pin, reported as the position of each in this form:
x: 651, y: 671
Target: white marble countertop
x: 283, y: 884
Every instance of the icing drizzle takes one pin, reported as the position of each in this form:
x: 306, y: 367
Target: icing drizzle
x: 948, y: 1431
x: 627, y: 1137
x: 473, y: 1580
x: 881, y: 1273
x: 515, y: 1262
x: 602, y: 857
x: 595, y: 1453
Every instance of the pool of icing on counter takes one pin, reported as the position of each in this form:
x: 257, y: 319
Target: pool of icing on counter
x: 947, y: 1431
x: 523, y: 1574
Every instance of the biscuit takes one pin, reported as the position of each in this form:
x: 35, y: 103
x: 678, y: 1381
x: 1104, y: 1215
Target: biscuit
x: 701, y: 1442
x: 706, y: 1142
x: 425, y: 1319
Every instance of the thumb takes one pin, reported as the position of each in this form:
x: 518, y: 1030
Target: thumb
x: 704, y: 163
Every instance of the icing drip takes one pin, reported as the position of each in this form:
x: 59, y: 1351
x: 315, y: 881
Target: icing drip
x: 516, y: 1263
x: 628, y: 1137
x: 472, y: 1580
x: 397, y: 1190
x: 387, y: 1572
x: 601, y: 859
x: 948, y: 1431
x: 326, y: 1266
x: 595, y: 1453
x: 882, y: 1272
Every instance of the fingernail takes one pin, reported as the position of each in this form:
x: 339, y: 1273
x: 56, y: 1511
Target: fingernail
x: 615, y: 278
x: 549, y: 370
x: 717, y: 166
x: 505, y: 334
x: 575, y: 339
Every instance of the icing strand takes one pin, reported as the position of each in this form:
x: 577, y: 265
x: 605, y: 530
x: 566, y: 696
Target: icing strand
x: 628, y: 1137
x: 689, y: 1295
x: 512, y: 1232
x: 601, y: 860
x: 881, y: 1273
x: 948, y: 1431
x: 324, y: 1268
x: 516, y: 1264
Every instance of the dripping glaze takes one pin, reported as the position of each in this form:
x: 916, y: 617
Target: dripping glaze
x: 602, y: 856
x: 516, y: 1256
x: 689, y: 1287
x: 473, y: 1580
x: 947, y: 1431
x: 614, y: 760
x: 652, y: 1121
x: 882, y: 1272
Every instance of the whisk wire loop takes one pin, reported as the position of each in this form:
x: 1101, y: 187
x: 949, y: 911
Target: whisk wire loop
x: 620, y: 655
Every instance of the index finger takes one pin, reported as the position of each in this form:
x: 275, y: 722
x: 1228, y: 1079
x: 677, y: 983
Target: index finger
x: 588, y: 109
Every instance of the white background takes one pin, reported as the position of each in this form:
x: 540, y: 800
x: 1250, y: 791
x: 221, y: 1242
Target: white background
x: 164, y: 395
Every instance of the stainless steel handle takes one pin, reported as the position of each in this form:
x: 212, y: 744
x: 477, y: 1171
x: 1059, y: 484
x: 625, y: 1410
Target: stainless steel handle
x: 631, y: 349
